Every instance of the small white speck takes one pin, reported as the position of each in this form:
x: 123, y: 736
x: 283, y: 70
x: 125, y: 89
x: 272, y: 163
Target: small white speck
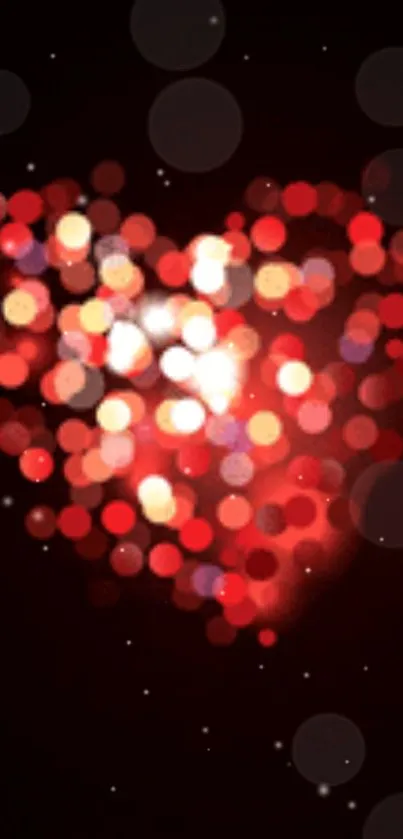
x: 278, y: 745
x: 7, y: 501
x: 261, y: 666
x: 289, y: 765
x: 53, y: 55
x: 324, y: 48
x: 205, y: 730
x: 167, y: 183
x: 43, y: 404
x: 214, y: 20
x: 31, y: 167
x: 352, y: 805
x: 246, y: 57
x: 327, y: 499
x: 129, y: 643
x: 274, y: 314
x: 347, y: 762
x: 323, y: 790
x: 251, y: 396
x: 82, y: 200
x: 308, y: 570
x: 268, y: 184
x: 366, y: 668
x: 146, y: 692
x: 208, y: 749
x: 381, y: 538
x: 307, y: 675
x: 371, y: 199
x: 160, y: 173
x: 113, y: 789
x: 45, y: 548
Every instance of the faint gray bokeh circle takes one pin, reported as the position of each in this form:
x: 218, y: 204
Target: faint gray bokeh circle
x: 177, y: 34
x: 376, y: 504
x: 328, y: 749
x: 379, y: 86
x: 385, y: 821
x: 15, y: 102
x: 240, y: 282
x: 195, y: 125
x: 382, y: 186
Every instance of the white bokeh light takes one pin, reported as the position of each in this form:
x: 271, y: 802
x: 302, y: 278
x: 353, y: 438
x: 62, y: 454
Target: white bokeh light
x: 199, y: 333
x: 187, y: 416
x: 177, y: 364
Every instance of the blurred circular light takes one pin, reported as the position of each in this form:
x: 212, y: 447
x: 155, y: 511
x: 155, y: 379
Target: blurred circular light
x: 294, y: 378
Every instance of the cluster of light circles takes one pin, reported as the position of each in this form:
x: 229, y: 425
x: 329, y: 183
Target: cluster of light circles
x: 211, y: 392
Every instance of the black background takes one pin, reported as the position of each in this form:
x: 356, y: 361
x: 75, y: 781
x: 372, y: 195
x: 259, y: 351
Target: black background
x: 75, y: 719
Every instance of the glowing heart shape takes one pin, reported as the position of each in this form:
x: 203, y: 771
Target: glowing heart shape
x: 218, y: 400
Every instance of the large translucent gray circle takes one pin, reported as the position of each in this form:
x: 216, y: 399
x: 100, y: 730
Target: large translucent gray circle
x: 385, y: 821
x: 195, y: 125
x: 91, y: 393
x: 328, y: 749
x: 379, y: 86
x: 382, y: 186
x: 376, y: 504
x: 177, y: 34
x: 240, y: 281
x: 15, y: 102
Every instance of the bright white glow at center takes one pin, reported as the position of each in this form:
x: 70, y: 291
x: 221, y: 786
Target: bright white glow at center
x: 187, y: 416
x: 177, y: 364
x: 216, y: 377
x: 157, y: 320
x: 208, y: 276
x: 199, y: 333
x: 126, y: 343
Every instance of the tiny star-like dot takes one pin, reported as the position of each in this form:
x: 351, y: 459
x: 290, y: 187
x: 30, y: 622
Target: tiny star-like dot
x: 381, y: 538
x: 45, y: 547
x: 371, y: 199
x: 167, y: 183
x: 261, y: 666
x: 246, y: 57
x: 7, y: 501
x: 352, y: 805
x: 31, y: 167
x: 214, y: 20
x: 129, y: 643
x: 160, y: 173
x: 347, y: 762
x: 308, y: 570
x: 146, y: 692
x: 113, y: 789
x: 307, y: 675
x: 278, y: 745
x: 323, y: 790
x: 205, y: 730
x: 53, y: 55
x: 366, y: 668
x: 324, y: 48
